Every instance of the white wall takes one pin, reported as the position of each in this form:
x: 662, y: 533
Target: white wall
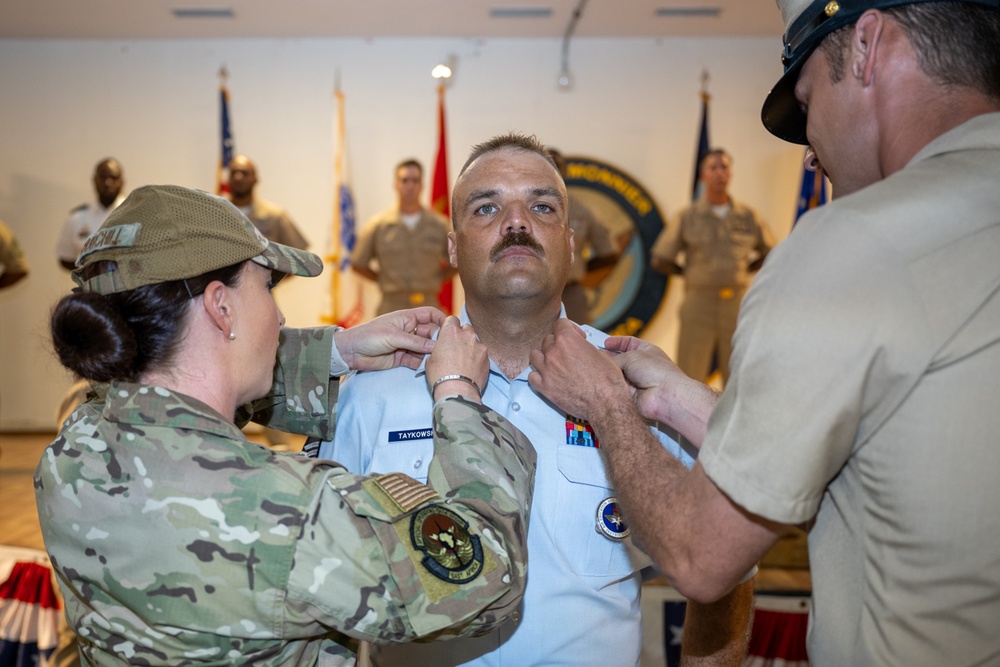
x: 154, y: 106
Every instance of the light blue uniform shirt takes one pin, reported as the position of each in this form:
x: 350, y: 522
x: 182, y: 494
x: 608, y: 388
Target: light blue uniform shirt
x: 581, y: 604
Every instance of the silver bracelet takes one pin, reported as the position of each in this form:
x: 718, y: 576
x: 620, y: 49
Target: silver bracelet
x: 456, y: 376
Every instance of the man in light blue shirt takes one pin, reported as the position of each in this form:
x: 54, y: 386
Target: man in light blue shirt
x: 512, y: 246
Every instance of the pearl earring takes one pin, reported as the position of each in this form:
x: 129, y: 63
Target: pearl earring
x: 232, y: 335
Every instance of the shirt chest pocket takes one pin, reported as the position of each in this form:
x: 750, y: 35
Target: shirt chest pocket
x: 432, y: 244
x: 583, y: 486
x: 412, y: 457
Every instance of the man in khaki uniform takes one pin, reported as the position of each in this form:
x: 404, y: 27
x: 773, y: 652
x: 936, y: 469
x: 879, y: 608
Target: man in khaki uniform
x: 866, y: 364
x: 724, y: 242
x: 594, y: 249
x: 13, y: 265
x: 410, y: 244
x: 272, y: 220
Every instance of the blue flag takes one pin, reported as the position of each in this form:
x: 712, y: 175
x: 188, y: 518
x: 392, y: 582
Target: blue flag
x: 697, y: 186
x: 226, y: 152
x: 673, y: 627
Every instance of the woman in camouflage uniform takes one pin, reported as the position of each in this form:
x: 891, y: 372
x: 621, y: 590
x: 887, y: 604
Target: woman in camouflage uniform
x: 177, y: 541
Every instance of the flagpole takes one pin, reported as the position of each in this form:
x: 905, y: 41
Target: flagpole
x: 703, y: 144
x: 439, y: 191
x: 226, y: 147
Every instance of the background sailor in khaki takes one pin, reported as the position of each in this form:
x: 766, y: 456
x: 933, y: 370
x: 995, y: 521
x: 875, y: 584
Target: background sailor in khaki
x: 13, y: 264
x: 594, y: 248
x: 273, y: 221
x: 723, y: 242
x: 409, y: 244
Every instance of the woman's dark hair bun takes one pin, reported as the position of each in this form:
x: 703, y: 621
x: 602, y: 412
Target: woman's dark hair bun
x: 93, y: 339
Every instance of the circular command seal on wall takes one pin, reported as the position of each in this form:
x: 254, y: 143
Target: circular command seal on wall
x: 624, y: 298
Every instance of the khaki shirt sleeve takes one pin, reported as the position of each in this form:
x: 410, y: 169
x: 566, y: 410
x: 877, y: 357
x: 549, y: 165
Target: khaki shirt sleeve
x: 388, y: 559
x: 12, y: 259
x: 765, y: 239
x: 670, y: 241
x: 290, y: 233
x: 599, y: 237
x: 364, y: 246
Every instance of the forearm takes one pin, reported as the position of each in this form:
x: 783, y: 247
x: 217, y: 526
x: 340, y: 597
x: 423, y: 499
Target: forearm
x: 716, y: 634
x: 696, y: 536
x: 477, y: 451
x: 645, y: 478
x: 365, y: 272
x: 685, y: 405
x: 303, y: 397
x: 10, y: 277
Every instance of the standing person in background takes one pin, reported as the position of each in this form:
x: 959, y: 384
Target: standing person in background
x: 866, y: 368
x: 513, y: 247
x: 13, y: 263
x: 410, y: 244
x: 86, y: 219
x: 175, y: 540
x: 595, y: 249
x: 724, y: 242
x: 272, y: 220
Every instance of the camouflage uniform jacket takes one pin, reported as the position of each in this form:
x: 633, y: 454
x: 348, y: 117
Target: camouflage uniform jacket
x: 178, y: 542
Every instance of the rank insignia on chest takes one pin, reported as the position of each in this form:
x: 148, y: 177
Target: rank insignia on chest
x: 579, y: 432
x: 610, y: 522
x: 450, y: 552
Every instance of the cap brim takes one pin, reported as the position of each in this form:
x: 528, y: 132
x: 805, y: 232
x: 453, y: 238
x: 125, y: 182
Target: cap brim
x: 288, y: 260
x: 781, y: 114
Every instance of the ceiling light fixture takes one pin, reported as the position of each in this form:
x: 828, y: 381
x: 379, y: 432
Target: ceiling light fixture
x: 688, y: 12
x: 203, y: 12
x: 520, y: 12
x: 445, y: 70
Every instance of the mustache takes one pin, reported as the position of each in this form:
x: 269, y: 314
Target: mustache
x: 517, y: 238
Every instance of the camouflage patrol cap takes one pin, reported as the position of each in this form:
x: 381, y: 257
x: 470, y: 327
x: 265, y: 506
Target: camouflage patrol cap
x: 807, y: 23
x: 162, y: 233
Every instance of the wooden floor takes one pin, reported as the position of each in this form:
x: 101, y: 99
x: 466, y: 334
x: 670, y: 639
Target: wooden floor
x: 20, y: 453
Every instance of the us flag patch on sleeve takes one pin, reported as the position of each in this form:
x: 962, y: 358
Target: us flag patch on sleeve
x: 406, y: 492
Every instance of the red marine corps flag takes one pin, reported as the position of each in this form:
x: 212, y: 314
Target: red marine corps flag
x: 440, y: 199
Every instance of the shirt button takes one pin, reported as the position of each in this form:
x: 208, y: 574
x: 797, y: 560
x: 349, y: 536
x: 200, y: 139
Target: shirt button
x: 516, y: 407
x: 516, y: 617
x: 418, y: 463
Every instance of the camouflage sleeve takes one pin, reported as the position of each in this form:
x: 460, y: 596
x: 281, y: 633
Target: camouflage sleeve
x: 303, y: 398
x: 388, y: 559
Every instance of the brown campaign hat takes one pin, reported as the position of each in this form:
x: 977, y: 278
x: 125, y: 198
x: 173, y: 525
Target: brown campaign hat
x: 807, y: 22
x: 162, y: 233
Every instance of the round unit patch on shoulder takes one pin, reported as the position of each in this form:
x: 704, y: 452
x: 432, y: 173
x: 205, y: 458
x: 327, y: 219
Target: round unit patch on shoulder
x: 451, y: 553
x: 610, y: 522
